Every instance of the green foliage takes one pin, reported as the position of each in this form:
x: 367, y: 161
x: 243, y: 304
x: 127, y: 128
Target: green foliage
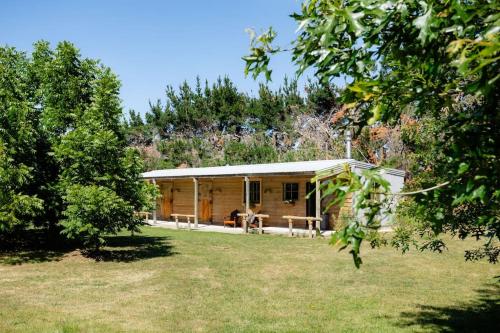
x: 258, y: 150
x: 372, y: 209
x: 93, y: 211
x: 273, y: 110
x: 18, y: 142
x: 66, y: 85
x: 97, y: 168
x: 216, y: 124
x: 260, y: 46
x: 404, y: 231
x: 62, y: 146
x: 352, y: 236
x: 17, y: 209
x: 195, y: 110
x: 322, y: 98
x: 183, y: 151
x: 235, y: 153
x: 428, y: 57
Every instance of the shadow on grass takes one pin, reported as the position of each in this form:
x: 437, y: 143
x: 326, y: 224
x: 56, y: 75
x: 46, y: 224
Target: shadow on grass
x: 29, y: 256
x: 481, y: 315
x: 31, y: 246
x: 34, y: 246
x: 132, y: 248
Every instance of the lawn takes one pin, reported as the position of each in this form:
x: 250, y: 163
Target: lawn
x: 179, y: 281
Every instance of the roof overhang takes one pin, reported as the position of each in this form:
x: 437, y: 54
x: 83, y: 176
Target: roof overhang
x: 306, y: 168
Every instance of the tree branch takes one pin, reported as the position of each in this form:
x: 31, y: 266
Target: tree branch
x: 420, y: 191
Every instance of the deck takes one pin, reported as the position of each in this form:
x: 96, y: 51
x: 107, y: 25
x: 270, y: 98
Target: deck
x: 300, y: 232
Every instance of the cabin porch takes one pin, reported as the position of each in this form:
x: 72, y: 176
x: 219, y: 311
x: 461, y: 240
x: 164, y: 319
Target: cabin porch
x: 276, y: 191
x: 296, y: 231
x: 210, y: 201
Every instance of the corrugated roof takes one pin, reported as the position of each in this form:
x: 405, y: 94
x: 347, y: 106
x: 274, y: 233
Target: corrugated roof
x: 305, y: 167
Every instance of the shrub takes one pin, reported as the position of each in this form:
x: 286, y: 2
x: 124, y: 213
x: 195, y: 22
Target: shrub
x: 92, y: 211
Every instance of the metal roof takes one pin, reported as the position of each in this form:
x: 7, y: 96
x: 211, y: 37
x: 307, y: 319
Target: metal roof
x: 305, y: 167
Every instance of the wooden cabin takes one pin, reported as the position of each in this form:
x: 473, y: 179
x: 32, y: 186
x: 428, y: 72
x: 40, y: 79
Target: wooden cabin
x: 210, y: 194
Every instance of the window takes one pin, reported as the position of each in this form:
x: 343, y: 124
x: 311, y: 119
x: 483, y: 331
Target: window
x: 290, y: 192
x: 254, y: 192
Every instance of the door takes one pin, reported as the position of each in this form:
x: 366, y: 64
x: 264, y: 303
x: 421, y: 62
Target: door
x: 205, y: 198
x: 311, y: 201
x: 166, y: 201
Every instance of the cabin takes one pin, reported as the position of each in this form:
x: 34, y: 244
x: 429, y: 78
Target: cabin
x: 277, y: 191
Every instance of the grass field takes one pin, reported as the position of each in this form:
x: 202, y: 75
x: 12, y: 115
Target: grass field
x: 178, y: 281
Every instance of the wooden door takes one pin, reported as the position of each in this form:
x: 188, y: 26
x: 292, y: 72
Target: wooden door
x: 166, y: 201
x: 205, y: 201
x: 311, y: 201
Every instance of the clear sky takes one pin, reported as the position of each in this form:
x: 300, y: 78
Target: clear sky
x: 150, y: 43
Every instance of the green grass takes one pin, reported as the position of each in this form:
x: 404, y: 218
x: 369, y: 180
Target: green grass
x: 178, y: 281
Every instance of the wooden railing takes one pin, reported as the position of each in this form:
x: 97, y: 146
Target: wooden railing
x: 309, y: 220
x: 260, y: 218
x: 187, y: 216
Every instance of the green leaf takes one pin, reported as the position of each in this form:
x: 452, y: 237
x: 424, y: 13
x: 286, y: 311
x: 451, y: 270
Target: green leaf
x: 463, y: 168
x: 423, y: 23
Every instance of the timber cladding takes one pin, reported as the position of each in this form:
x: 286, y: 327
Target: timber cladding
x: 272, y: 200
x: 227, y: 196
x: 218, y: 197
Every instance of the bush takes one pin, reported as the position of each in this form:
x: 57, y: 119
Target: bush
x: 92, y: 211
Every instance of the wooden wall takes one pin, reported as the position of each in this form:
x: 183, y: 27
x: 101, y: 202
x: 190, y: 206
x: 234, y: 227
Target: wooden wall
x: 183, y: 195
x: 227, y: 195
x: 272, y: 193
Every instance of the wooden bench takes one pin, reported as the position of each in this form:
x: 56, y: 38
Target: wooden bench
x: 145, y: 215
x: 260, y: 218
x: 187, y: 216
x: 309, y: 220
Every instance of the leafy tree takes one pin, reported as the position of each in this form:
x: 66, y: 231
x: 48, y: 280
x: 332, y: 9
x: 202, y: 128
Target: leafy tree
x: 428, y: 56
x: 62, y: 146
x: 137, y: 131
x: 272, y: 110
x: 66, y: 86
x: 322, y: 98
x: 215, y: 124
x: 92, y: 211
x: 135, y: 119
x: 227, y: 105
x: 95, y: 161
x: 258, y: 150
x: 183, y: 151
x: 160, y: 122
x: 19, y: 204
x: 193, y: 111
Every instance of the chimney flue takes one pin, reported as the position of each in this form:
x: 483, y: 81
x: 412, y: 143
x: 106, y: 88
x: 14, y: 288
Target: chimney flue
x: 348, y: 144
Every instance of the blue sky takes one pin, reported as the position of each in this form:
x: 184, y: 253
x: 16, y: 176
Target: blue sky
x: 150, y: 44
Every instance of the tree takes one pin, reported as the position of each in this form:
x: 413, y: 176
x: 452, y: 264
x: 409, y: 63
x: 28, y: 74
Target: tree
x: 216, y: 124
x: 64, y: 162
x: 322, y: 99
x: 19, y: 204
x: 429, y: 57
x: 99, y: 175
